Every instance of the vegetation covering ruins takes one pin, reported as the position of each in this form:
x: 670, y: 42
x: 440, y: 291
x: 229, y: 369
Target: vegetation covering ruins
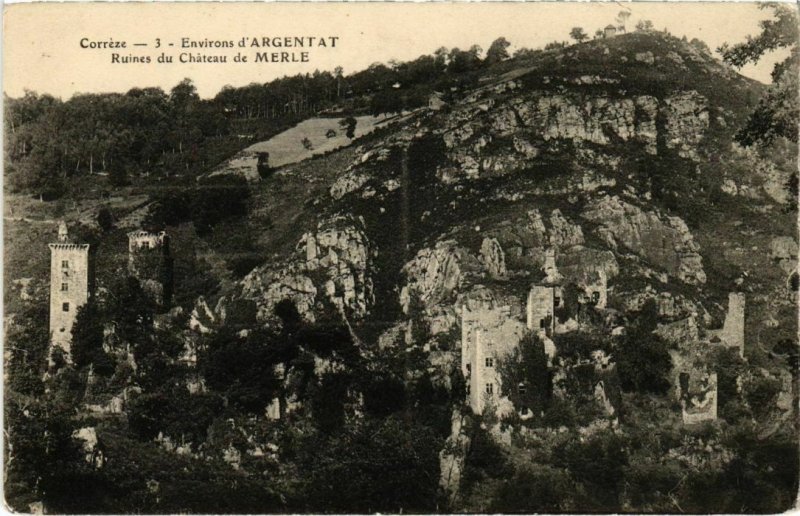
x: 553, y: 282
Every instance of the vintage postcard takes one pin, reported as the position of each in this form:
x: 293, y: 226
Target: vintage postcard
x: 400, y: 257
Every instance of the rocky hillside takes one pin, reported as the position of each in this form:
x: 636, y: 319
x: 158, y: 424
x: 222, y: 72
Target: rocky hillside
x: 616, y: 153
x: 323, y: 329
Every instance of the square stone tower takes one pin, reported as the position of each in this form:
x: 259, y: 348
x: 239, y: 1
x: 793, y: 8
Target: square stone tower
x: 541, y: 309
x: 69, y: 287
x: 488, y: 335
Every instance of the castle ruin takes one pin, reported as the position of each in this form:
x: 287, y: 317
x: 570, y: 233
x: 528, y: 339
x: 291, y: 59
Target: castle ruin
x: 487, y: 335
x: 69, y: 287
x: 149, y: 262
x: 595, y: 288
x: 732, y: 332
x: 697, y: 392
x: 541, y: 308
x: 733, y: 329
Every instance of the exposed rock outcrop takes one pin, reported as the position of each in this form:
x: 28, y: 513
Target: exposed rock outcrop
x: 493, y: 258
x: 662, y: 240
x: 520, y: 128
x: 346, y: 183
x: 686, y: 123
x: 436, y: 274
x: 563, y: 233
x: 452, y: 456
x: 333, y: 261
x: 683, y: 331
x: 784, y: 251
x: 202, y: 318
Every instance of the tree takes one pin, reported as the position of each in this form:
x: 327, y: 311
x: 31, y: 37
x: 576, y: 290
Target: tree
x: 498, y: 51
x: 105, y: 219
x: 644, y: 25
x: 262, y: 165
x: 622, y: 19
x: 461, y: 61
x: 386, y: 101
x: 382, y: 465
x: 338, y: 72
x: 555, y: 45
x: 643, y: 359
x: 643, y: 363
x: 700, y: 45
x: 525, y: 375
x: 242, y: 368
x: 599, y: 464
x: 578, y: 35
x: 349, y: 125
x: 87, y: 340
x: 533, y: 490
x: 778, y: 112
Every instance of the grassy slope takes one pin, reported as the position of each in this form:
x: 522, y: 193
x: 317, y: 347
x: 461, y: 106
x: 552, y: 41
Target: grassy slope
x: 286, y: 148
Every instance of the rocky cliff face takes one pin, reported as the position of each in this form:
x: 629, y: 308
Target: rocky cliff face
x: 331, y: 263
x: 436, y: 274
x: 495, y: 136
x: 526, y: 239
x: 662, y: 240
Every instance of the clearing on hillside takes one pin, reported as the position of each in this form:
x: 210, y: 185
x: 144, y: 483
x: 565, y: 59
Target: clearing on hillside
x: 287, y: 147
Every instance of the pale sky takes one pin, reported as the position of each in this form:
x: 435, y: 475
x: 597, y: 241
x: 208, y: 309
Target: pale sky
x: 42, y: 42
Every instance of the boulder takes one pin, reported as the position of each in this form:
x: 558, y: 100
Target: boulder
x: 347, y: 183
x: 493, y: 258
x: 202, y: 318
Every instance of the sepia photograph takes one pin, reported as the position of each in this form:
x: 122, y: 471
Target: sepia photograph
x: 359, y: 258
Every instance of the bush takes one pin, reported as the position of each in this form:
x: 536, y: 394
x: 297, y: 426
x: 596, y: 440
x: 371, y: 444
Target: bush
x: 349, y: 125
x: 217, y: 199
x: 105, y: 219
x: 643, y: 363
x: 543, y: 489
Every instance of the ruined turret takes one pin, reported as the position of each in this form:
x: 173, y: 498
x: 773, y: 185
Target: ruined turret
x: 149, y: 261
x: 733, y: 329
